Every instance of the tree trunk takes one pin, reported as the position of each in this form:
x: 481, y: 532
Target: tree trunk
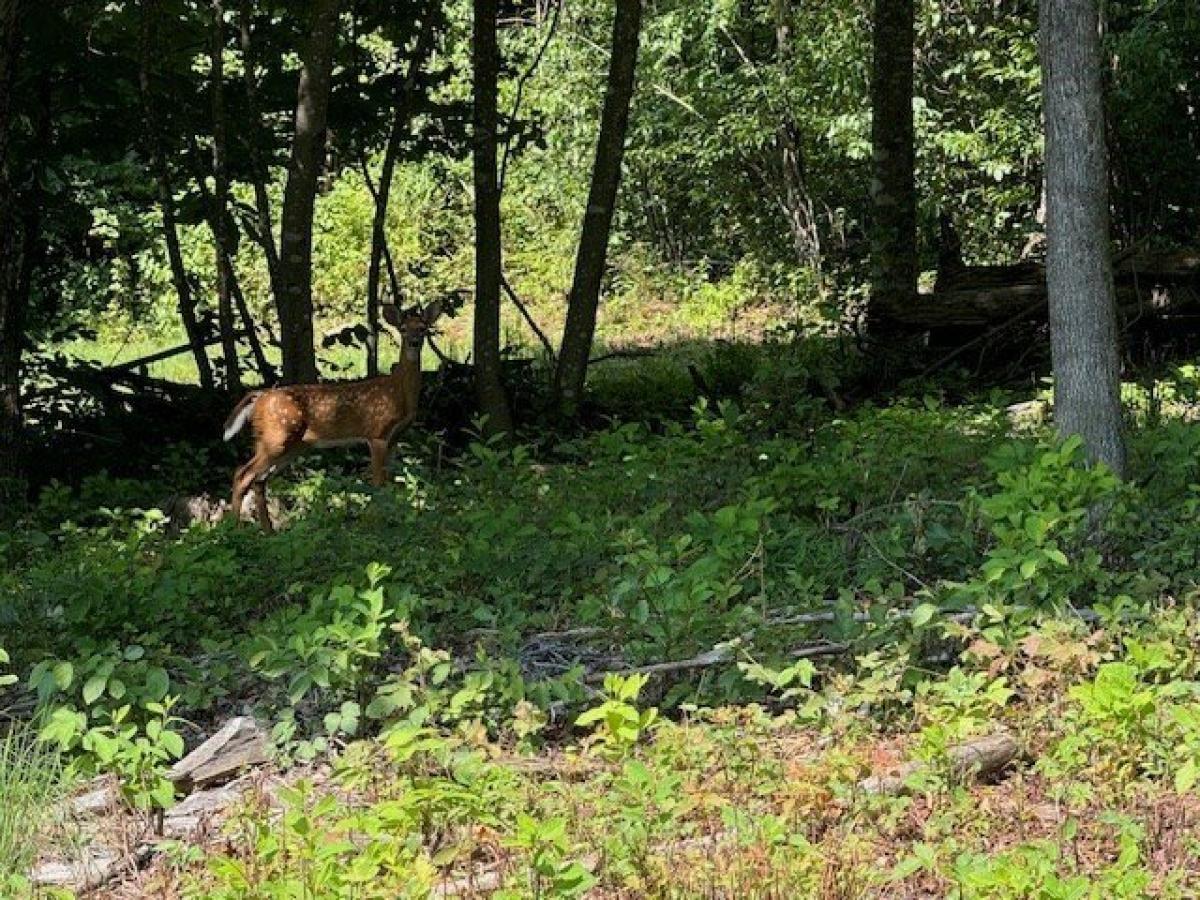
x: 166, y: 202
x: 489, y: 384
x: 580, y: 327
x: 893, y: 185
x: 401, y: 116
x: 262, y: 201
x: 1079, y: 278
x: 799, y: 207
x: 12, y: 304
x: 220, y: 212
x: 265, y: 370
x: 295, y: 303
x: 179, y: 275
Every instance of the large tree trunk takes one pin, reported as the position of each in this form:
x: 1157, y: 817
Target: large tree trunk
x: 1079, y: 278
x: 893, y: 229
x: 262, y: 201
x: 401, y: 116
x: 489, y: 384
x: 580, y: 327
x: 220, y: 212
x: 12, y: 303
x: 166, y: 202
x: 295, y: 303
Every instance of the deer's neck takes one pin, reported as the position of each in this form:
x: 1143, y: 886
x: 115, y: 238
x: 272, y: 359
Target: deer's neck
x: 408, y: 376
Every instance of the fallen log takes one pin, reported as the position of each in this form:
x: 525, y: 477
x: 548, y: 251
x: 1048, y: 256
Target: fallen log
x: 1162, y: 284
x: 980, y: 758
x: 240, y: 744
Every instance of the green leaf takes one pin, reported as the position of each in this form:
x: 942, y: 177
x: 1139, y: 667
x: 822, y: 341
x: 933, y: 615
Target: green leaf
x: 93, y: 689
x: 923, y: 614
x: 590, y: 717
x: 1186, y: 775
x: 64, y: 673
x: 158, y: 682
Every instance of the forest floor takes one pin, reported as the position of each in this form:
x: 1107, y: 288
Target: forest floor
x: 795, y: 598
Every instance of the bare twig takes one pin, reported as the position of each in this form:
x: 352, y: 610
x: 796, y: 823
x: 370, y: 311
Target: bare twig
x: 516, y: 301
x: 520, y: 92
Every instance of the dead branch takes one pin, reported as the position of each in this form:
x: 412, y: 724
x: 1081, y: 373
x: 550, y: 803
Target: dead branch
x: 516, y: 301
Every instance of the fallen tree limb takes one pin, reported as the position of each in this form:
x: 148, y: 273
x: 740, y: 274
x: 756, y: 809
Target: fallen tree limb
x: 987, y: 296
x: 624, y: 353
x: 980, y: 758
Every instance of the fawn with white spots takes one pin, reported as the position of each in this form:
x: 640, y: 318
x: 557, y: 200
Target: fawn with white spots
x: 286, y: 421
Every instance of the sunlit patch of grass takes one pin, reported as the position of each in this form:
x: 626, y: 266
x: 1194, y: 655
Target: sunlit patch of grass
x: 30, y: 779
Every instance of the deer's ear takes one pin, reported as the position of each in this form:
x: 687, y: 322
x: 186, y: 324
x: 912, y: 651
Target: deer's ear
x: 432, y: 313
x: 391, y: 314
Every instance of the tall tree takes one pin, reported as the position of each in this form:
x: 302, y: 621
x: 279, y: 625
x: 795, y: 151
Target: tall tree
x: 893, y: 230
x: 489, y: 381
x: 402, y: 112
x: 580, y: 328
x: 156, y: 139
x: 1083, y: 315
x: 264, y: 231
x: 219, y: 218
x: 12, y: 242
x: 294, y: 303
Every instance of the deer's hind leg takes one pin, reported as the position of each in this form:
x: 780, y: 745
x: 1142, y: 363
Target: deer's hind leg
x: 244, y: 478
x: 379, y: 461
x: 260, y: 505
x: 253, y: 476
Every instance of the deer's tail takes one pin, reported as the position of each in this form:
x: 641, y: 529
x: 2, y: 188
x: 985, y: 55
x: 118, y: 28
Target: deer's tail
x: 241, y: 413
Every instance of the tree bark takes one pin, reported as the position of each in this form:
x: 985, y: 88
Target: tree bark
x: 220, y: 212
x: 401, y: 117
x: 893, y: 229
x: 265, y: 370
x: 489, y: 384
x: 262, y: 201
x: 1083, y: 319
x: 295, y: 303
x: 580, y: 328
x: 12, y: 303
x: 166, y: 203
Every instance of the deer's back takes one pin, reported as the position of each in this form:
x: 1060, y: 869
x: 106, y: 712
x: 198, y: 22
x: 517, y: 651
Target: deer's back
x: 323, y: 414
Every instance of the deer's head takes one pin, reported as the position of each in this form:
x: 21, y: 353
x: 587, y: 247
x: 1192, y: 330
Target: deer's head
x: 413, y: 324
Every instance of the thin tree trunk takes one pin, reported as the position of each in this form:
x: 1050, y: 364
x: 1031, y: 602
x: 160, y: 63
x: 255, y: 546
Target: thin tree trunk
x: 1083, y: 319
x: 262, y: 200
x: 401, y: 117
x: 893, y: 186
x: 166, y: 203
x: 489, y: 383
x: 208, y: 202
x: 265, y: 370
x: 295, y: 302
x: 12, y: 303
x: 580, y: 328
x: 220, y: 212
x: 179, y: 276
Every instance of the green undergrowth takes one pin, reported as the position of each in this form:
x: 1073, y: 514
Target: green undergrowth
x: 435, y: 642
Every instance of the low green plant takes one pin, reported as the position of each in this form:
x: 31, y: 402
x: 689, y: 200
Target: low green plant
x: 617, y: 723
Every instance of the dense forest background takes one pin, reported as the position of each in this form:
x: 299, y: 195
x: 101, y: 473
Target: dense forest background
x: 799, y: 498
x: 747, y: 180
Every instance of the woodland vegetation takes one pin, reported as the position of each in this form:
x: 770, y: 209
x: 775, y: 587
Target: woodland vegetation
x: 799, y: 496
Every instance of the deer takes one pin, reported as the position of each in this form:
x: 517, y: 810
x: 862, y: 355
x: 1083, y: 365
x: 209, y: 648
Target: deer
x: 286, y: 421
